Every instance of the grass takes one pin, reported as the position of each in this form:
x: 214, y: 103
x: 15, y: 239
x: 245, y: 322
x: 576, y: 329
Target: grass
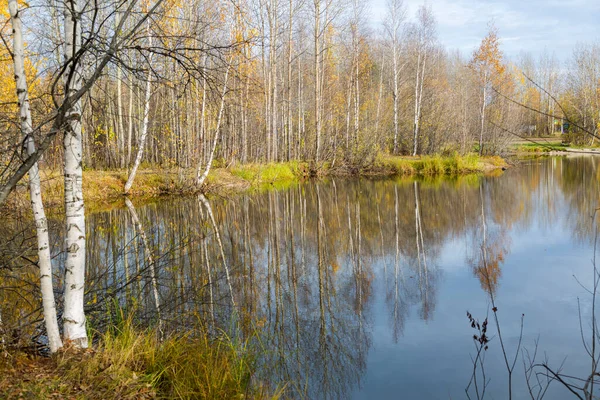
x: 270, y: 173
x: 129, y: 363
x: 437, y: 165
x: 539, y: 148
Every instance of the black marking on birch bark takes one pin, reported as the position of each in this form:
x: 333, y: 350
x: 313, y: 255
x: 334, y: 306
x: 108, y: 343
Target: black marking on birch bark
x: 73, y: 248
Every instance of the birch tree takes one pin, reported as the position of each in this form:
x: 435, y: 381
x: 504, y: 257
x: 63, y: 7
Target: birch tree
x: 144, y: 134
x: 201, y: 178
x: 425, y: 37
x: 35, y: 190
x: 487, y: 65
x: 74, y: 326
x: 393, y: 26
x: 317, y: 37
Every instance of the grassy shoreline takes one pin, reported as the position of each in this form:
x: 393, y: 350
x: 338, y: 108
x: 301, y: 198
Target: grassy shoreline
x: 128, y: 362
x: 104, y: 189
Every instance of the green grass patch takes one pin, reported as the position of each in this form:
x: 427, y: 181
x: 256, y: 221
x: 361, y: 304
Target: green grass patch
x: 437, y: 165
x: 270, y: 173
x: 539, y: 148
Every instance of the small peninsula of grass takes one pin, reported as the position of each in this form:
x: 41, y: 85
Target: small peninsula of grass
x: 437, y: 165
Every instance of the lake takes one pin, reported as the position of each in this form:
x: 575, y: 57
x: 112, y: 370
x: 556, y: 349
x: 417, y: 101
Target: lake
x: 359, y: 288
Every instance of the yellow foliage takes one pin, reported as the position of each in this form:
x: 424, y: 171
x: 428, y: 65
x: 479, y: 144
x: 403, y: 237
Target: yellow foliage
x: 8, y: 90
x: 487, y: 59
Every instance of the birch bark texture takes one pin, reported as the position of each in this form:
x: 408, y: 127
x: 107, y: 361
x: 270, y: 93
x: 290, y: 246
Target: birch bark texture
x: 425, y: 36
x: 74, y: 324
x: 200, y: 179
x: 144, y: 134
x: 393, y: 27
x: 35, y: 190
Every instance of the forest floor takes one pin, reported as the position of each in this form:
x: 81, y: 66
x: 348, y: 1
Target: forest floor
x: 104, y: 189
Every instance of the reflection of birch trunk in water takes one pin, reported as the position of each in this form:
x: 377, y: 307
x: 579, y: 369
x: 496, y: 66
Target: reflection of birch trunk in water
x: 218, y: 236
x: 337, y: 207
x: 323, y: 342
x: 294, y: 274
x: 397, y: 231
x: 484, y: 244
x: 397, y: 271
x: 269, y: 260
x: 382, y: 243
x: 249, y: 257
x: 422, y: 260
x: 149, y: 257
x: 483, y: 223
x: 210, y: 282
x: 303, y: 230
x: 350, y: 235
x: 353, y: 256
x: 126, y: 259
x: 359, y: 274
x: 279, y: 309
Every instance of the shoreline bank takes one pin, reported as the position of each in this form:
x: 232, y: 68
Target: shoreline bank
x: 104, y: 188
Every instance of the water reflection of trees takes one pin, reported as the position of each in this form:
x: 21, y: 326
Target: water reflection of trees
x: 304, y: 265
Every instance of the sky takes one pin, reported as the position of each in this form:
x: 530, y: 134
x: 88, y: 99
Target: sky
x: 532, y: 26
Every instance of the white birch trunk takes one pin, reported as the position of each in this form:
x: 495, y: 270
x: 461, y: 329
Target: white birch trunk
x: 416, y: 115
x: 317, y: 66
x: 74, y: 328
x: 395, y: 94
x: 419, y: 99
x: 130, y: 121
x: 144, y: 134
x: 289, y: 132
x: 201, y: 178
x: 482, y: 121
x: 379, y: 95
x: 39, y: 215
x: 121, y: 135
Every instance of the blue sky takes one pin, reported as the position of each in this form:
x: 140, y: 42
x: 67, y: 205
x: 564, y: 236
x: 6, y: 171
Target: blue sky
x: 524, y: 25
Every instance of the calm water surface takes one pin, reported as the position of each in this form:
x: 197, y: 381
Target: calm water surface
x: 360, y: 287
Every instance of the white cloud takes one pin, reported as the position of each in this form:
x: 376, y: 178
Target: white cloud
x: 524, y: 25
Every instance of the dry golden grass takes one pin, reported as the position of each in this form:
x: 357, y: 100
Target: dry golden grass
x: 129, y: 363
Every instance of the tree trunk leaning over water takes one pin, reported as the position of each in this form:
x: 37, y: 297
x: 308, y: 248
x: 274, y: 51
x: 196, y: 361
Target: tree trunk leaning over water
x: 74, y: 316
x: 35, y: 190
